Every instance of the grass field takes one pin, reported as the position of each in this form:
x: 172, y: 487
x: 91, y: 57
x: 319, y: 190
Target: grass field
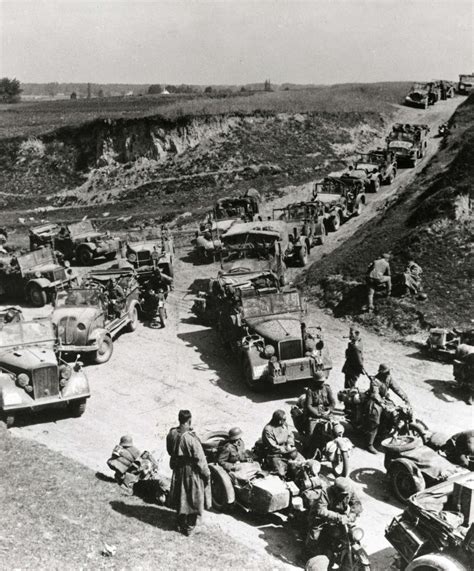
x: 56, y: 514
x: 36, y: 118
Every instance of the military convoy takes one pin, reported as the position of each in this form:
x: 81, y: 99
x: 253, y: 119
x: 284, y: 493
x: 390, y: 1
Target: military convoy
x: 408, y: 142
x: 306, y: 219
x: 79, y: 240
x: 380, y: 166
x: 340, y: 198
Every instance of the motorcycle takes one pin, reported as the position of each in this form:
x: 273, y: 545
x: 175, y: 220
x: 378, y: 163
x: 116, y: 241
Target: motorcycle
x: 398, y: 420
x: 443, y: 130
x: 345, y: 551
x: 154, y: 307
x: 328, y: 437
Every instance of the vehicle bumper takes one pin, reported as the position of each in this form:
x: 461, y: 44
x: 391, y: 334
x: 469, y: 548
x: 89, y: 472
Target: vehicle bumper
x: 78, y: 348
x: 44, y: 403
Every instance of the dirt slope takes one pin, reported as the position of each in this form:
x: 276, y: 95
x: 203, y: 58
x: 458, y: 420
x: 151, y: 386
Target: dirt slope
x: 431, y: 221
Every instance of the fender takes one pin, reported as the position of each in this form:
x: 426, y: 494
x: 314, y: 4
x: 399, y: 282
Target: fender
x: 97, y: 334
x: 10, y: 395
x: 43, y: 283
x: 229, y: 488
x: 78, y: 385
x: 260, y: 366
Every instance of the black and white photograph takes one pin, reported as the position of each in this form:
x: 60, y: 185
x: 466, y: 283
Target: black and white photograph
x: 236, y: 285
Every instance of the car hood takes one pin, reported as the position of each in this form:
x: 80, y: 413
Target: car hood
x: 82, y: 314
x: 96, y: 236
x: 27, y: 357
x: 367, y: 167
x: 144, y: 246
x: 400, y: 145
x: 327, y: 197
x: 44, y: 268
x: 276, y: 328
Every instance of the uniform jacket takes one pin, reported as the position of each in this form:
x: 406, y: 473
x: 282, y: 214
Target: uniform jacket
x: 378, y: 269
x: 231, y: 452
x: 381, y: 386
x: 354, y: 357
x: 319, y: 403
x: 190, y: 491
x: 330, y: 506
x: 122, y: 458
x: 277, y: 439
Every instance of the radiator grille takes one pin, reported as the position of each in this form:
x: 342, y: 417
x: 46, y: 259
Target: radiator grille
x: 290, y: 349
x: 67, y: 330
x: 45, y: 382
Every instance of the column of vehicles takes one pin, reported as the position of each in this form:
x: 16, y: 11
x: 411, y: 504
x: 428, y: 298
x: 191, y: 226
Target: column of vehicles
x: 40, y: 364
x: 425, y: 93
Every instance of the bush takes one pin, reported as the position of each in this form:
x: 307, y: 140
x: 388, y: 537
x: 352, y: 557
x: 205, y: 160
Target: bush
x: 31, y: 149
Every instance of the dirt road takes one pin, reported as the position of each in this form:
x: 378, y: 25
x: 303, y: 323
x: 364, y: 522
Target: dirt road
x: 154, y: 373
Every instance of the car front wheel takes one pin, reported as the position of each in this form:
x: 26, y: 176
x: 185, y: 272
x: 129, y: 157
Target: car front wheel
x: 36, y: 295
x: 8, y: 418
x: 104, y: 351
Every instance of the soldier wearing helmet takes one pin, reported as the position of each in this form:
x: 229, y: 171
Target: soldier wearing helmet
x: 121, y: 460
x: 380, y: 387
x: 337, y: 504
x: 232, y: 452
x: 318, y: 405
x: 279, y: 445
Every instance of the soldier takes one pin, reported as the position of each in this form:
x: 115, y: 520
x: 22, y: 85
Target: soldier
x: 380, y: 387
x: 338, y: 504
x: 115, y: 297
x: 460, y: 449
x: 412, y: 279
x: 190, y: 492
x: 354, y: 364
x: 378, y: 273
x: 318, y: 405
x: 232, y: 452
x: 121, y: 460
x: 279, y: 444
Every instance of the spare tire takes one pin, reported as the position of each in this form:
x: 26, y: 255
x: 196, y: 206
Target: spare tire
x: 400, y: 443
x: 435, y: 562
x: 211, y: 440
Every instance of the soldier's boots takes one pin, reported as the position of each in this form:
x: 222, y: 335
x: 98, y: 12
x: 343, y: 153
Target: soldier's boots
x: 370, y: 441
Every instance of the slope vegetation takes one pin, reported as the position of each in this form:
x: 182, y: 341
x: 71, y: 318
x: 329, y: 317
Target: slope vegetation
x: 431, y: 222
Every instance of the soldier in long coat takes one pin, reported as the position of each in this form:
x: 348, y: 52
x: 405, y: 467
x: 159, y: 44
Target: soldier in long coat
x: 354, y: 363
x: 190, y: 492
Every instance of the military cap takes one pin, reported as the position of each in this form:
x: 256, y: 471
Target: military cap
x: 343, y: 485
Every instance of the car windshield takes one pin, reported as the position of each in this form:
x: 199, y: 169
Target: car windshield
x: 466, y: 78
x: 19, y: 333
x: 78, y: 297
x: 40, y: 257
x: 330, y: 186
x: 80, y: 228
x: 271, y: 304
x: 297, y: 212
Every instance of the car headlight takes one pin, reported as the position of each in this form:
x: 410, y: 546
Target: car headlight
x: 358, y: 534
x: 22, y: 380
x: 269, y: 351
x: 132, y: 257
x: 65, y: 372
x: 81, y: 326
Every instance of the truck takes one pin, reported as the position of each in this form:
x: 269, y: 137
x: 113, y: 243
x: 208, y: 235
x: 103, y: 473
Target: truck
x: 88, y: 318
x: 306, y: 220
x: 31, y: 375
x: 225, y: 213
x: 465, y: 83
x: 262, y: 323
x: 35, y: 277
x: 423, y: 94
x: 435, y: 532
x: 380, y: 165
x: 408, y: 142
x: 341, y: 199
x: 145, y: 255
x: 78, y: 240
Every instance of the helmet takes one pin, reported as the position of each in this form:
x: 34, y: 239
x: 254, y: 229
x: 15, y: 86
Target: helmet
x: 319, y: 377
x: 338, y: 429
x: 384, y: 368
x: 313, y: 466
x: 343, y: 485
x: 235, y: 433
x: 126, y: 441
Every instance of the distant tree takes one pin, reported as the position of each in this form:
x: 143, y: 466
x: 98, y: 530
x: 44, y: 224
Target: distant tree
x: 155, y: 89
x: 267, y: 86
x: 73, y: 95
x: 243, y: 89
x: 208, y: 89
x: 89, y: 91
x: 9, y: 90
x: 100, y: 93
x: 52, y: 89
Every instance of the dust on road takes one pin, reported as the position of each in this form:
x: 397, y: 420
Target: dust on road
x: 154, y: 373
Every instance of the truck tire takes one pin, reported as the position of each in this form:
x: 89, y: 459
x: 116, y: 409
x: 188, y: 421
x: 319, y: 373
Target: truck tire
x: 359, y: 208
x: 105, y: 350
x: 375, y: 186
x: 36, y: 295
x: 84, y: 256
x: 223, y: 494
x: 8, y: 418
x: 400, y: 444
x: 435, y: 562
x: 77, y: 407
x: 403, y: 480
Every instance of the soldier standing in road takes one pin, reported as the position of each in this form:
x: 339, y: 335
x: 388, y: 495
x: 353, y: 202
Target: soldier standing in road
x: 354, y: 364
x: 190, y: 492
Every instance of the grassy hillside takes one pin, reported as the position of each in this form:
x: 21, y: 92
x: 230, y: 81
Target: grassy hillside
x: 56, y: 514
x: 431, y: 222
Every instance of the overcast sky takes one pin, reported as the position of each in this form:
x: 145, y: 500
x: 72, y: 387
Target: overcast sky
x: 234, y: 41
